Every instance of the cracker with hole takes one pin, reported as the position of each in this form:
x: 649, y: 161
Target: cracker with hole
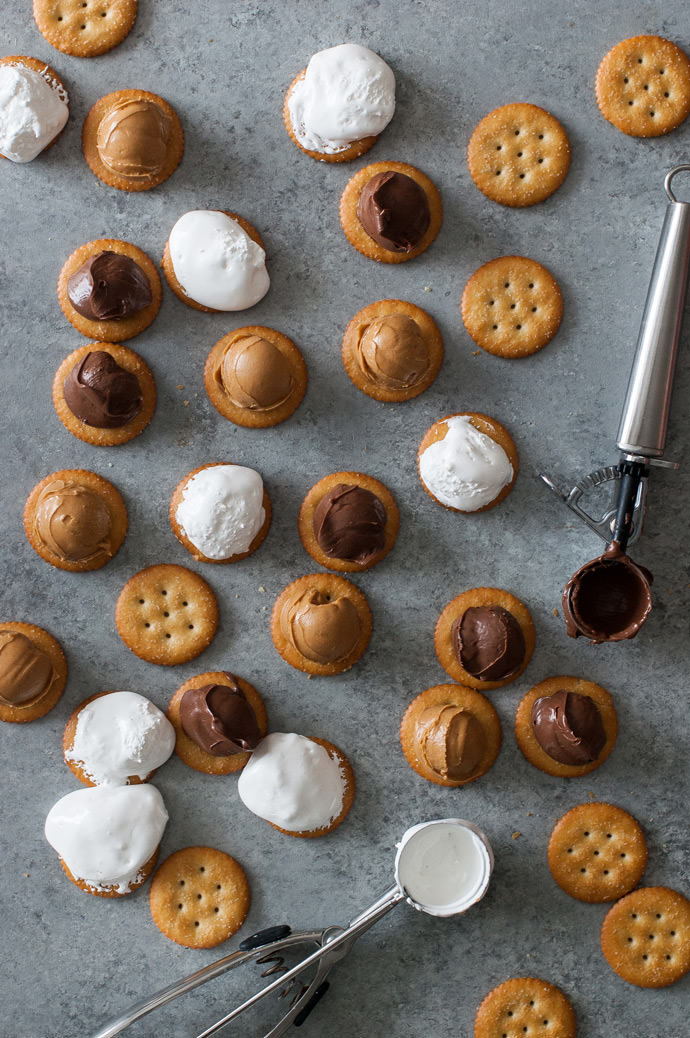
x: 525, y: 1005
x: 643, y: 86
x: 597, y: 852
x: 512, y: 306
x: 166, y: 614
x: 645, y: 937
x: 85, y: 28
x: 518, y: 155
x: 199, y: 897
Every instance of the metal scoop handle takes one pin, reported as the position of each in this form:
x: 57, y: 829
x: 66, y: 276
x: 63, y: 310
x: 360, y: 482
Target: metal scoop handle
x: 642, y: 430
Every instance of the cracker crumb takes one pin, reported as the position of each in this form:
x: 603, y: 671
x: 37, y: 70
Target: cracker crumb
x: 262, y: 589
x: 516, y: 834
x: 476, y: 353
x: 185, y: 403
x: 529, y: 814
x: 180, y: 387
x: 555, y: 611
x: 427, y: 288
x: 592, y: 794
x: 26, y: 875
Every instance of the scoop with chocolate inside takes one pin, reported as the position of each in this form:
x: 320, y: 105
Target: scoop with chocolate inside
x: 133, y: 138
x: 26, y: 672
x: 568, y: 726
x: 350, y: 523
x: 488, y: 642
x: 393, y: 210
x: 609, y: 598
x: 450, y: 741
x: 109, y: 287
x: 393, y: 352
x: 322, y: 628
x: 73, y: 522
x: 101, y: 393
x: 255, y: 374
x: 219, y: 719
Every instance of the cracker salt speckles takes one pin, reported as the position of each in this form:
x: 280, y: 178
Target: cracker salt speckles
x: 643, y: 86
x: 518, y: 155
x: 645, y: 937
x: 85, y: 29
x: 525, y: 1005
x: 597, y: 852
x: 512, y: 306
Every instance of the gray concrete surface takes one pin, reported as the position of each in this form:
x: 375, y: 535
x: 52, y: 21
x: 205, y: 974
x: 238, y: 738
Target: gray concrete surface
x: 72, y: 960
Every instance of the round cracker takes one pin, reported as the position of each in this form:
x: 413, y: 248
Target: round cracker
x: 166, y: 614
x: 597, y: 852
x: 82, y: 30
x: 355, y: 233
x: 182, y: 537
x: 348, y: 794
x: 305, y: 522
x: 645, y: 937
x: 110, y: 496
x: 50, y: 76
x: 358, y: 326
x: 171, y: 276
x: 512, y: 306
x: 526, y: 739
x: 490, y: 427
x: 335, y: 586
x: 188, y: 750
x: 199, y: 897
x: 52, y: 648
x: 643, y: 86
x: 518, y: 155
x: 353, y: 150
x: 89, y: 135
x: 451, y: 695
x: 525, y: 1005
x: 477, y: 597
x: 110, y: 331
x: 130, y: 361
x: 245, y: 416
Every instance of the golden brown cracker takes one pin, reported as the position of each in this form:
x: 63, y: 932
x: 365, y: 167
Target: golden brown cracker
x: 467, y: 699
x: 525, y: 735
x: 355, y: 233
x: 130, y: 361
x: 169, y: 270
x: 305, y: 522
x: 245, y: 416
x: 490, y: 427
x: 645, y: 937
x: 512, y: 306
x: 52, y: 648
x: 166, y: 614
x: 182, y: 537
x: 474, y: 598
x: 525, y: 1005
x: 188, y: 750
x: 89, y: 136
x: 348, y: 793
x: 328, y: 584
x: 597, y: 852
x: 51, y: 77
x: 112, y: 499
x: 85, y: 28
x: 518, y: 155
x: 110, y: 331
x: 353, y: 150
x: 643, y: 86
x: 199, y: 897
x: 358, y: 326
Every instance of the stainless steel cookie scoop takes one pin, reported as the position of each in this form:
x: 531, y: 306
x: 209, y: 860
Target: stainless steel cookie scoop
x: 609, y: 598
x: 442, y: 868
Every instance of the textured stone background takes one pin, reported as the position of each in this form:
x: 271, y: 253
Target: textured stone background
x: 73, y: 960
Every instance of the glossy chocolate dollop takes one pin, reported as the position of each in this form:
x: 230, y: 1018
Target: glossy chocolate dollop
x: 101, y: 393
x: 488, y: 642
x: 255, y: 374
x: 321, y: 628
x: 393, y: 352
x: 568, y: 727
x: 109, y: 287
x: 26, y: 672
x: 394, y: 211
x: 350, y: 523
x: 133, y: 137
x: 609, y: 598
x: 219, y: 719
x: 73, y: 522
x: 450, y: 740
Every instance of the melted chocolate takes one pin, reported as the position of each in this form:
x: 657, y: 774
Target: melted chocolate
x: 608, y: 599
x: 350, y: 523
x: 394, y: 211
x: 488, y: 642
x: 101, y: 393
x: 219, y: 719
x: 109, y: 287
x: 568, y: 727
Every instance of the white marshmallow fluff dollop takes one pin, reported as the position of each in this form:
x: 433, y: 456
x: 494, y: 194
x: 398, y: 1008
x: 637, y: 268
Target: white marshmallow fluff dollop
x: 221, y: 510
x: 466, y: 470
x: 33, y: 110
